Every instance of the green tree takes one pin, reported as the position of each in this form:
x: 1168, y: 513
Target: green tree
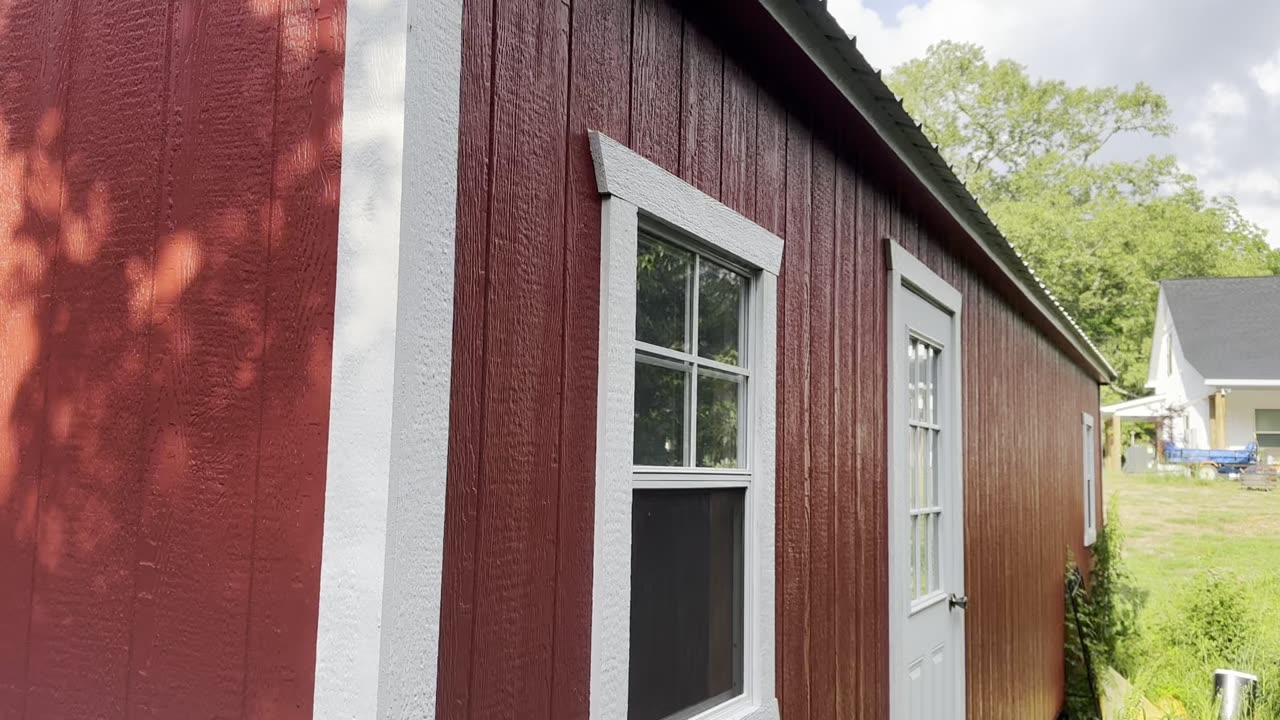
x: 1101, y: 231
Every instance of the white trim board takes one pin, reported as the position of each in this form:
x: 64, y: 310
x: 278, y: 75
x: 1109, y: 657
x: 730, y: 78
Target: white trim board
x: 1089, y: 438
x: 637, y: 192
x: 1242, y: 383
x: 624, y: 173
x: 383, y: 547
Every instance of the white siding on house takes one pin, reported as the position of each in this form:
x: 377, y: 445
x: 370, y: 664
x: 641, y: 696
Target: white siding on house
x: 1184, y: 387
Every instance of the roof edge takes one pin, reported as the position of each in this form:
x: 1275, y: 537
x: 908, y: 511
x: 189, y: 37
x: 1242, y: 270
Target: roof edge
x: 1243, y: 383
x: 835, y: 54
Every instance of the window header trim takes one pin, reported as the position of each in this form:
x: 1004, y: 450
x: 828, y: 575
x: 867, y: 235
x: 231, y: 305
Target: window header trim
x: 625, y: 174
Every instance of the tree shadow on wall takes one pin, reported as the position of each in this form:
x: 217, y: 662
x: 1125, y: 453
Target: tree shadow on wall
x: 168, y: 238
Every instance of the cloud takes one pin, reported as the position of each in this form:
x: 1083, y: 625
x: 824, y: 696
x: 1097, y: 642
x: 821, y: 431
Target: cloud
x: 1267, y: 75
x: 1226, y: 100
x: 1220, y: 69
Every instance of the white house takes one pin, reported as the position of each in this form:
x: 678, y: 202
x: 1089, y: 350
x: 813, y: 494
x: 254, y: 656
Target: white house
x: 1215, y: 365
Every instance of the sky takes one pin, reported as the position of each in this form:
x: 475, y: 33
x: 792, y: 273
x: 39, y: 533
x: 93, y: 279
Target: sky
x: 1217, y: 61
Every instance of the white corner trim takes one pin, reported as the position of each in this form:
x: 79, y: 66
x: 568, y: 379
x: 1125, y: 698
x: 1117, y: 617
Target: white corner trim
x: 621, y: 172
x: 389, y: 399
x: 424, y: 363
x: 916, y: 274
x: 632, y: 181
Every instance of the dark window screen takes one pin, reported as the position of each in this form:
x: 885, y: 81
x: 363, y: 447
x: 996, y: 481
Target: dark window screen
x: 686, y: 601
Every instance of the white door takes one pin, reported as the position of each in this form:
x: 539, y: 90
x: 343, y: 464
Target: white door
x: 926, y: 554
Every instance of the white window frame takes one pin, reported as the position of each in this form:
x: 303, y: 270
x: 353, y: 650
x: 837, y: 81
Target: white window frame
x: 637, y: 192
x: 1088, y: 436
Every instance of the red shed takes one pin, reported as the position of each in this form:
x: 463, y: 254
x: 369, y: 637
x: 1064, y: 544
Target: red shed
x: 497, y: 359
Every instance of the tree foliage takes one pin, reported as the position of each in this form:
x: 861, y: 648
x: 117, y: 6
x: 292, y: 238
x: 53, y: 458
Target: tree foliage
x: 1101, y: 230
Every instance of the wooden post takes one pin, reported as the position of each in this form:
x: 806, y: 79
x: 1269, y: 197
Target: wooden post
x: 1218, y: 420
x: 1117, y: 445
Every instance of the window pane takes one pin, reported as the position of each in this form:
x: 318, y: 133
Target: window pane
x: 912, y: 553
x: 1267, y: 420
x: 934, y: 562
x: 922, y: 555
x: 720, y: 302
x: 933, y: 468
x: 686, y: 601
x: 659, y: 419
x: 1269, y: 440
x: 719, y: 405
x: 662, y: 293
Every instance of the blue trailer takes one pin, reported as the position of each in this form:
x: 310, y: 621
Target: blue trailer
x: 1206, y: 464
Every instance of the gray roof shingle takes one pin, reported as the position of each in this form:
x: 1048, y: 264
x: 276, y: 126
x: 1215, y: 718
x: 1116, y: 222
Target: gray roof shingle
x: 1227, y: 326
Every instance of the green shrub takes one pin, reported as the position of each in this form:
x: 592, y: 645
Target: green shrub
x: 1213, y: 623
x: 1102, y: 618
x: 1113, y: 593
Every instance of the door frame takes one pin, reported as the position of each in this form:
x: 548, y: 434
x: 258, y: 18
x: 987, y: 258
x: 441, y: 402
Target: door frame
x: 908, y: 275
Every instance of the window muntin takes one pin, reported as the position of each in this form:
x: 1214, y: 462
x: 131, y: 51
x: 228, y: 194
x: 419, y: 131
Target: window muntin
x: 691, y: 481
x: 924, y: 432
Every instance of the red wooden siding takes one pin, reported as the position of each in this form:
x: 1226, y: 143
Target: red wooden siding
x: 775, y: 142
x: 168, y: 233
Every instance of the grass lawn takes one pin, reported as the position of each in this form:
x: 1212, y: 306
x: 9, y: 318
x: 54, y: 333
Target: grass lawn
x: 1174, y: 530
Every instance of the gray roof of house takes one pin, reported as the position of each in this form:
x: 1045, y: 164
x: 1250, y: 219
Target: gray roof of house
x: 837, y: 55
x: 1227, y: 326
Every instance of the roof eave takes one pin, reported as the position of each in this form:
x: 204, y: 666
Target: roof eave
x: 835, y: 54
x: 1260, y: 383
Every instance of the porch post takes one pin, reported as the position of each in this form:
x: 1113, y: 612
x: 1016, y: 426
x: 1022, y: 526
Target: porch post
x: 1218, y: 420
x: 1117, y: 446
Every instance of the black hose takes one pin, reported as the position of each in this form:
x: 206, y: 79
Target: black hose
x: 1074, y: 584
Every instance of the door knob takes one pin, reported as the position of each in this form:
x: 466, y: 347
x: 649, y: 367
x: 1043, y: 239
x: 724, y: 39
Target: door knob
x: 958, y: 601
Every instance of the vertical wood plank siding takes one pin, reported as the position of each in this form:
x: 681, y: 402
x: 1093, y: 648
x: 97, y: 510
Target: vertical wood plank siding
x: 685, y: 86
x: 168, y: 233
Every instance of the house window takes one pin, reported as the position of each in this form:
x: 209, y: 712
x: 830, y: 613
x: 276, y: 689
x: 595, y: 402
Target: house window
x: 683, y: 581
x: 1168, y: 354
x: 1267, y: 428
x: 1089, y: 441
x: 691, y: 475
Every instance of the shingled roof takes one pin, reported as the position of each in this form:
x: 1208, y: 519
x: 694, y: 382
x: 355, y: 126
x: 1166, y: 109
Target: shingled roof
x: 1227, y: 326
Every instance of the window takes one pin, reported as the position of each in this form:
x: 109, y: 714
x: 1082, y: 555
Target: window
x: 691, y: 474
x: 924, y: 429
x: 1168, y: 354
x: 1089, y: 439
x: 1267, y: 428
x: 689, y: 404
x: 683, y: 584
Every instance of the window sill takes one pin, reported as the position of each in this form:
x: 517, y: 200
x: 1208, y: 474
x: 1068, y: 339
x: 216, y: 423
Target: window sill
x: 739, y: 709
